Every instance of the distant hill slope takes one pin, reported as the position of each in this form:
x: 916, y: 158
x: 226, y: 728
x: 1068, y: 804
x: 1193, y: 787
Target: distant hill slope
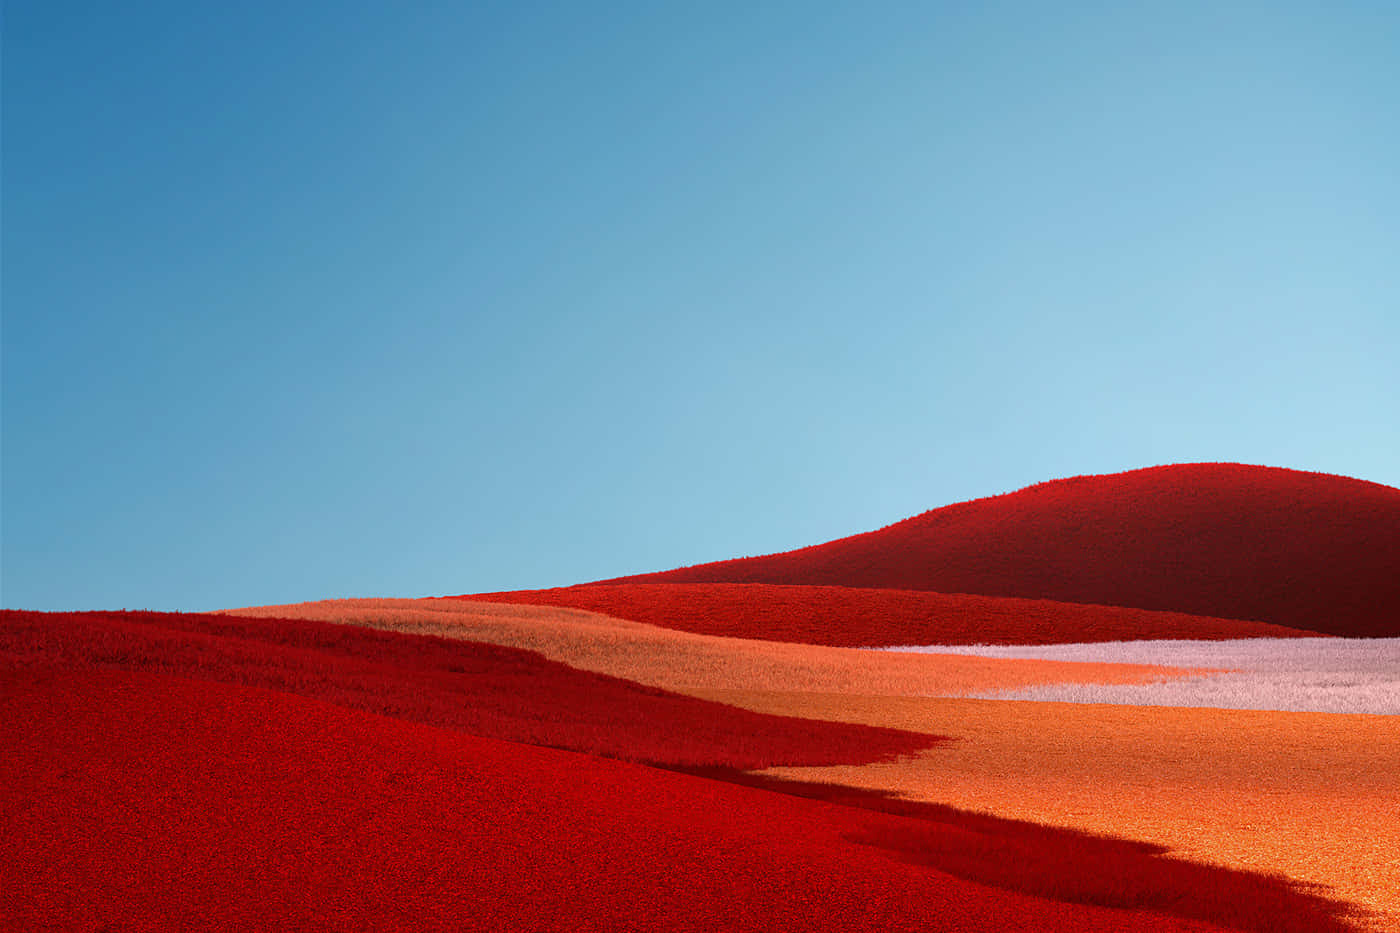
x: 860, y: 616
x: 1305, y: 550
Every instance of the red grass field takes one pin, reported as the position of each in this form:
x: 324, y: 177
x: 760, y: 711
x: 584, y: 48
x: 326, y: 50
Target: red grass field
x: 485, y: 690
x: 146, y: 801
x: 168, y: 772
x: 852, y: 616
x: 1309, y: 551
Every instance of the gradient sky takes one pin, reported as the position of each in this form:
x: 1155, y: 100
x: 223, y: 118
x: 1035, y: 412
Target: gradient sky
x: 324, y: 299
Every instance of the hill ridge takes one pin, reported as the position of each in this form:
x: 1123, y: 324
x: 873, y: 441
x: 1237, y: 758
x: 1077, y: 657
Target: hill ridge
x: 1302, y: 549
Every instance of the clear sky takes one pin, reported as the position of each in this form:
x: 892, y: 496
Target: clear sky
x: 309, y: 300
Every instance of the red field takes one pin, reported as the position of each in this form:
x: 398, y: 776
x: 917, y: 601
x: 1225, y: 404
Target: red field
x: 1309, y: 551
x: 168, y: 772
x: 852, y: 616
x: 139, y: 800
x: 485, y: 690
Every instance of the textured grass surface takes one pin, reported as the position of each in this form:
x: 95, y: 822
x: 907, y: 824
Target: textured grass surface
x: 1305, y: 550
x: 1308, y: 795
x: 168, y: 772
x: 136, y: 800
x: 482, y: 689
x: 676, y: 660
x: 853, y: 616
x: 1325, y: 675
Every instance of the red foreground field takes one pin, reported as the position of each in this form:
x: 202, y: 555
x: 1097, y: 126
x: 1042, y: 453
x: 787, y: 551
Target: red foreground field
x: 853, y: 616
x: 1309, y: 551
x: 486, y: 690
x: 132, y: 798
x: 146, y: 802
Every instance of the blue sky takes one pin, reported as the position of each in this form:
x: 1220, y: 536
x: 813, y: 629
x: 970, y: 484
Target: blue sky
x: 314, y: 300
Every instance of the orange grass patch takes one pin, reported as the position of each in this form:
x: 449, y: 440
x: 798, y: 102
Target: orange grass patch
x: 683, y: 661
x: 1308, y: 795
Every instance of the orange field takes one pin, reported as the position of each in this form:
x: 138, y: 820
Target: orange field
x: 1306, y: 795
x: 1309, y: 795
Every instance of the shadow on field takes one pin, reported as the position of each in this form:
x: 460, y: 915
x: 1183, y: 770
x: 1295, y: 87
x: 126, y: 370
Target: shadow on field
x: 1071, y: 866
x: 519, y: 696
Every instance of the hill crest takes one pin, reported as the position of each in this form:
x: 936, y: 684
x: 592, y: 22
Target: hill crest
x: 1306, y: 550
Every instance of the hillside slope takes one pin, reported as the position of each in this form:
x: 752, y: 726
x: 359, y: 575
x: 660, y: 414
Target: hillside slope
x: 487, y: 690
x: 1309, y: 551
x: 855, y: 616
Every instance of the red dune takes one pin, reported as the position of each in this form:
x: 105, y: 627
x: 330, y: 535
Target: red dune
x: 1310, y: 551
x: 150, y: 802
x: 488, y: 690
x: 852, y: 616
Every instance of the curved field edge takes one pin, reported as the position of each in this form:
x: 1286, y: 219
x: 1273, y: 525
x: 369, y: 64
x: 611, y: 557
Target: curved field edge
x: 1305, y: 550
x: 1308, y: 795
x: 662, y: 657
x: 683, y: 661
x: 488, y: 690
x: 306, y: 814
x: 869, y: 617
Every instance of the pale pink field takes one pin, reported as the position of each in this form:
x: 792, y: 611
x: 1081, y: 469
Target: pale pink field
x: 1323, y: 675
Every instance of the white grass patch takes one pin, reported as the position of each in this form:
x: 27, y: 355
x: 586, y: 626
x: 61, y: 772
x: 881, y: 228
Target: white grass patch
x: 1324, y: 675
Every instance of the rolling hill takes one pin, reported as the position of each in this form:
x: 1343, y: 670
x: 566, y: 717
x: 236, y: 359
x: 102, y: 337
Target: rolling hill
x: 1308, y: 551
x: 854, y: 616
x: 441, y: 764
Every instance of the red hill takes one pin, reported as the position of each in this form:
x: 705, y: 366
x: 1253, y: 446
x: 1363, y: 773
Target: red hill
x: 849, y: 616
x: 1309, y: 551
